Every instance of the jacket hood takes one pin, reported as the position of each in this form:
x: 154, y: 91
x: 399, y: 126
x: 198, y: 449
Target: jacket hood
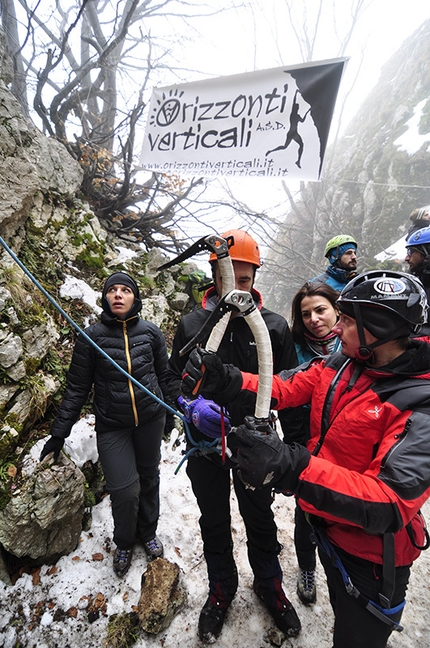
x: 341, y: 274
x: 415, y: 361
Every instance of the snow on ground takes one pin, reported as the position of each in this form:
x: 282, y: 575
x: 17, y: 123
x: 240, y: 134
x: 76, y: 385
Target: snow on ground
x: 52, y: 613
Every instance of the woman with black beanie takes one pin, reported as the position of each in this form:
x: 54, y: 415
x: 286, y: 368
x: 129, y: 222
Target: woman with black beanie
x: 129, y: 422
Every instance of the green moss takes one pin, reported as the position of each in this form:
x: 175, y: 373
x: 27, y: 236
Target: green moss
x: 122, y: 631
x: 89, y: 497
x: 4, y: 378
x: 31, y: 365
x: 36, y: 385
x: 9, y: 437
x: 56, y: 365
x: 40, y: 265
x: 57, y: 225
x: 90, y: 259
x: 92, y: 255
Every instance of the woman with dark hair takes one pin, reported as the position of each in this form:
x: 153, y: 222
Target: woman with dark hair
x: 314, y: 313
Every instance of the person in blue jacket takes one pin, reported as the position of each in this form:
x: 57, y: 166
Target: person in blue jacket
x: 341, y: 251
x: 314, y: 312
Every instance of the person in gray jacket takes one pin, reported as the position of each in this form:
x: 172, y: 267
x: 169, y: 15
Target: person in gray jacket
x: 129, y: 422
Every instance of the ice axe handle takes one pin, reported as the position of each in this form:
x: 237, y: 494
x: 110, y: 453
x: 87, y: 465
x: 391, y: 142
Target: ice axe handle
x: 197, y: 389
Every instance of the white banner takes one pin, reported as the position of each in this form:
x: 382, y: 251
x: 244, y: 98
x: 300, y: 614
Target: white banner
x: 270, y: 123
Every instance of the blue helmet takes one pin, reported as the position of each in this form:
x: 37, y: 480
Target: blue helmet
x: 420, y: 240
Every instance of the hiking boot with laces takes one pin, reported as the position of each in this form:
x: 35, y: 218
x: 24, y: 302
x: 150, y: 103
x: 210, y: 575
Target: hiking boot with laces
x: 279, y: 607
x: 211, y: 620
x: 153, y: 548
x: 306, y: 586
x: 122, y: 561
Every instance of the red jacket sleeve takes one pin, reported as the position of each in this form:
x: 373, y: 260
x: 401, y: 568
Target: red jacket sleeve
x: 289, y: 388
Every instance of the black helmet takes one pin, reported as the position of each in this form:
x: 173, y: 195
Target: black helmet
x: 397, y: 292
x: 388, y: 304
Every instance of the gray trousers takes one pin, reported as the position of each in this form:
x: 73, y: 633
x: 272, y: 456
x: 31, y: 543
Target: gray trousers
x: 130, y: 460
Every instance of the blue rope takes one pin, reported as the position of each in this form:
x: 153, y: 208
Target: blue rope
x: 96, y: 346
x: 201, y: 445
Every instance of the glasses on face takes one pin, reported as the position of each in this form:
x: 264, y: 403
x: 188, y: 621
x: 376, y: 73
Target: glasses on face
x: 410, y: 251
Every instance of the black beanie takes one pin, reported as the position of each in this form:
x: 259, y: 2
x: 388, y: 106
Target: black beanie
x: 121, y: 278
x: 125, y: 280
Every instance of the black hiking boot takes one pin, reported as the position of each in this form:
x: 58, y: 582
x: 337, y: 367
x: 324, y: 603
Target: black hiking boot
x: 122, y: 561
x: 306, y: 586
x: 211, y: 620
x: 153, y: 548
x: 223, y: 583
x: 279, y: 607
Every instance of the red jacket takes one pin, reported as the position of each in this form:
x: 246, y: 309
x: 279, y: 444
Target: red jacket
x: 369, y: 472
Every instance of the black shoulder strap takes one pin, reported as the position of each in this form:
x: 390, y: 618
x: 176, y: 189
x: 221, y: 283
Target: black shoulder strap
x: 388, y: 571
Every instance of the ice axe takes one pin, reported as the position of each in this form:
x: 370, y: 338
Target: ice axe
x: 219, y: 246
x: 240, y: 301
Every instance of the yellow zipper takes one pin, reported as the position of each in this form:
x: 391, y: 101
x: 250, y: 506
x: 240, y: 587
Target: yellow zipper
x: 130, y: 384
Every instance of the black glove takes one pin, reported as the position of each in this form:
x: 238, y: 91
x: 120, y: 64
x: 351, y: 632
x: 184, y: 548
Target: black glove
x: 265, y: 460
x: 219, y: 382
x: 53, y: 444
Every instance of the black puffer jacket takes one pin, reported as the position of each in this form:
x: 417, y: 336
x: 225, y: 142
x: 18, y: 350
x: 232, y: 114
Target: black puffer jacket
x: 138, y: 347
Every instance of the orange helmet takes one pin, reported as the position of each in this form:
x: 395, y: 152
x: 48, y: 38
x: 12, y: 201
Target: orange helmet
x: 241, y: 246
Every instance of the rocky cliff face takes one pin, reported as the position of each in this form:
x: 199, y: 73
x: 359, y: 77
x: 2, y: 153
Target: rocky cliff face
x: 55, y: 235
x: 38, y: 179
x: 374, y: 176
x: 57, y: 241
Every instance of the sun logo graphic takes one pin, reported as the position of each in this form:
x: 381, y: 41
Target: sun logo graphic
x: 167, y: 110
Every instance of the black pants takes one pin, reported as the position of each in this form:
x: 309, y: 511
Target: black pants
x: 354, y: 626
x: 305, y: 548
x: 130, y: 460
x: 211, y: 486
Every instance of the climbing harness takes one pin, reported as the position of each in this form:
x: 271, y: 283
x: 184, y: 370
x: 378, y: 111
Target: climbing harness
x: 382, y: 612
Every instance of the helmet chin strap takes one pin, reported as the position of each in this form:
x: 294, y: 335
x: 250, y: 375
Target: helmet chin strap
x: 364, y: 351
